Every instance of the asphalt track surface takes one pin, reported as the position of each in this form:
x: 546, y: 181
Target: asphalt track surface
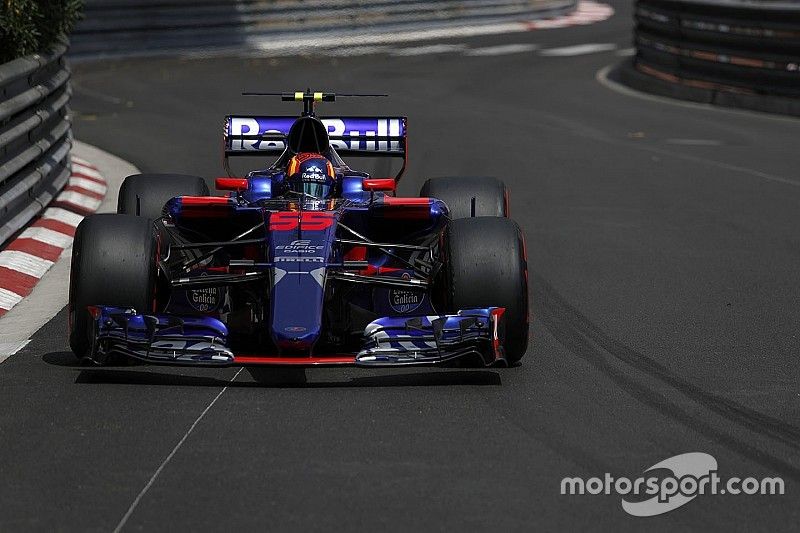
x: 664, y: 251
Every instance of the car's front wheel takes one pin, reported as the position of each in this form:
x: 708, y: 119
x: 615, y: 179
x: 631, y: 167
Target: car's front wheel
x: 487, y: 266
x: 113, y: 264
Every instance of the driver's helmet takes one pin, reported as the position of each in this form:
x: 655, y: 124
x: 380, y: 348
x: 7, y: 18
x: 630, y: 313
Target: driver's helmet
x: 311, y: 175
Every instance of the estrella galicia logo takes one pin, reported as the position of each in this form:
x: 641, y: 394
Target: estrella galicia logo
x: 205, y: 299
x: 403, y: 301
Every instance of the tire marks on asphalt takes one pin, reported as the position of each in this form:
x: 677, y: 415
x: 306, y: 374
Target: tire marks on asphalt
x: 639, y: 373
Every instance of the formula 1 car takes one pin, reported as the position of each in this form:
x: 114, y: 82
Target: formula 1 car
x: 307, y: 262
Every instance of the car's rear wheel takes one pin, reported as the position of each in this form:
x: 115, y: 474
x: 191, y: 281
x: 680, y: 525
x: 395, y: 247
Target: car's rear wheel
x: 114, y: 264
x: 144, y: 195
x: 468, y: 197
x: 487, y: 266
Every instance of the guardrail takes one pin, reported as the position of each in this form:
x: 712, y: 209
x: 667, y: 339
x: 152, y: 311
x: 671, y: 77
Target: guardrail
x: 735, y: 46
x: 35, y: 136
x: 145, y: 26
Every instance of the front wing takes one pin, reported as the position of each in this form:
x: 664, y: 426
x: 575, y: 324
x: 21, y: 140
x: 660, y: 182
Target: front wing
x: 388, y: 341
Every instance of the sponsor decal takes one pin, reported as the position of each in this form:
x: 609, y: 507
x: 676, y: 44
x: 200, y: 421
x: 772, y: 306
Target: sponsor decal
x: 315, y: 174
x: 293, y: 259
x: 405, y: 301
x: 306, y: 220
x: 350, y: 133
x: 305, y: 156
x: 205, y: 299
x: 300, y: 246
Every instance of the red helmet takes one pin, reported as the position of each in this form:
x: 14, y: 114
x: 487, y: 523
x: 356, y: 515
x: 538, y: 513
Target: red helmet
x: 311, y: 174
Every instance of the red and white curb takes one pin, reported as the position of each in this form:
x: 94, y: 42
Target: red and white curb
x: 587, y: 12
x: 25, y: 260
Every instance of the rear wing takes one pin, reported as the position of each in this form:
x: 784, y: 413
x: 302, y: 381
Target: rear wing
x: 353, y: 136
x: 349, y: 136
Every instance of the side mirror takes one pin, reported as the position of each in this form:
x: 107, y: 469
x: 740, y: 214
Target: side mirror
x: 380, y: 184
x: 230, y: 184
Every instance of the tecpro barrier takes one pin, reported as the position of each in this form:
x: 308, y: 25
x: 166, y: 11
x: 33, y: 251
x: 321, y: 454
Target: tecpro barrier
x: 731, y: 52
x: 35, y: 136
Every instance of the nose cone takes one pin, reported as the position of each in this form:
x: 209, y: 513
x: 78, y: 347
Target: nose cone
x: 297, y: 305
x: 295, y: 341
x: 300, y: 245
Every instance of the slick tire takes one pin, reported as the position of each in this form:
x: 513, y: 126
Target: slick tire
x: 144, y: 195
x: 487, y: 267
x: 469, y: 196
x: 113, y: 263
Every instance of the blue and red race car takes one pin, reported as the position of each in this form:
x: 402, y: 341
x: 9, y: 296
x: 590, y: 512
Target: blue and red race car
x: 307, y: 262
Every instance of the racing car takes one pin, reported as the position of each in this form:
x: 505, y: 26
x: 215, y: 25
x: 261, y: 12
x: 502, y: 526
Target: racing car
x: 307, y: 262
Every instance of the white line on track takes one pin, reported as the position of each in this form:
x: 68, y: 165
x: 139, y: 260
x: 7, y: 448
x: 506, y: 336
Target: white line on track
x: 429, y: 49
x: 501, y: 50
x: 578, y: 50
x: 163, y: 464
x: 355, y: 51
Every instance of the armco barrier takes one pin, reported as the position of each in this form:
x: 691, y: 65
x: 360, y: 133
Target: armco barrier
x: 733, y: 46
x: 145, y: 26
x: 35, y: 136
